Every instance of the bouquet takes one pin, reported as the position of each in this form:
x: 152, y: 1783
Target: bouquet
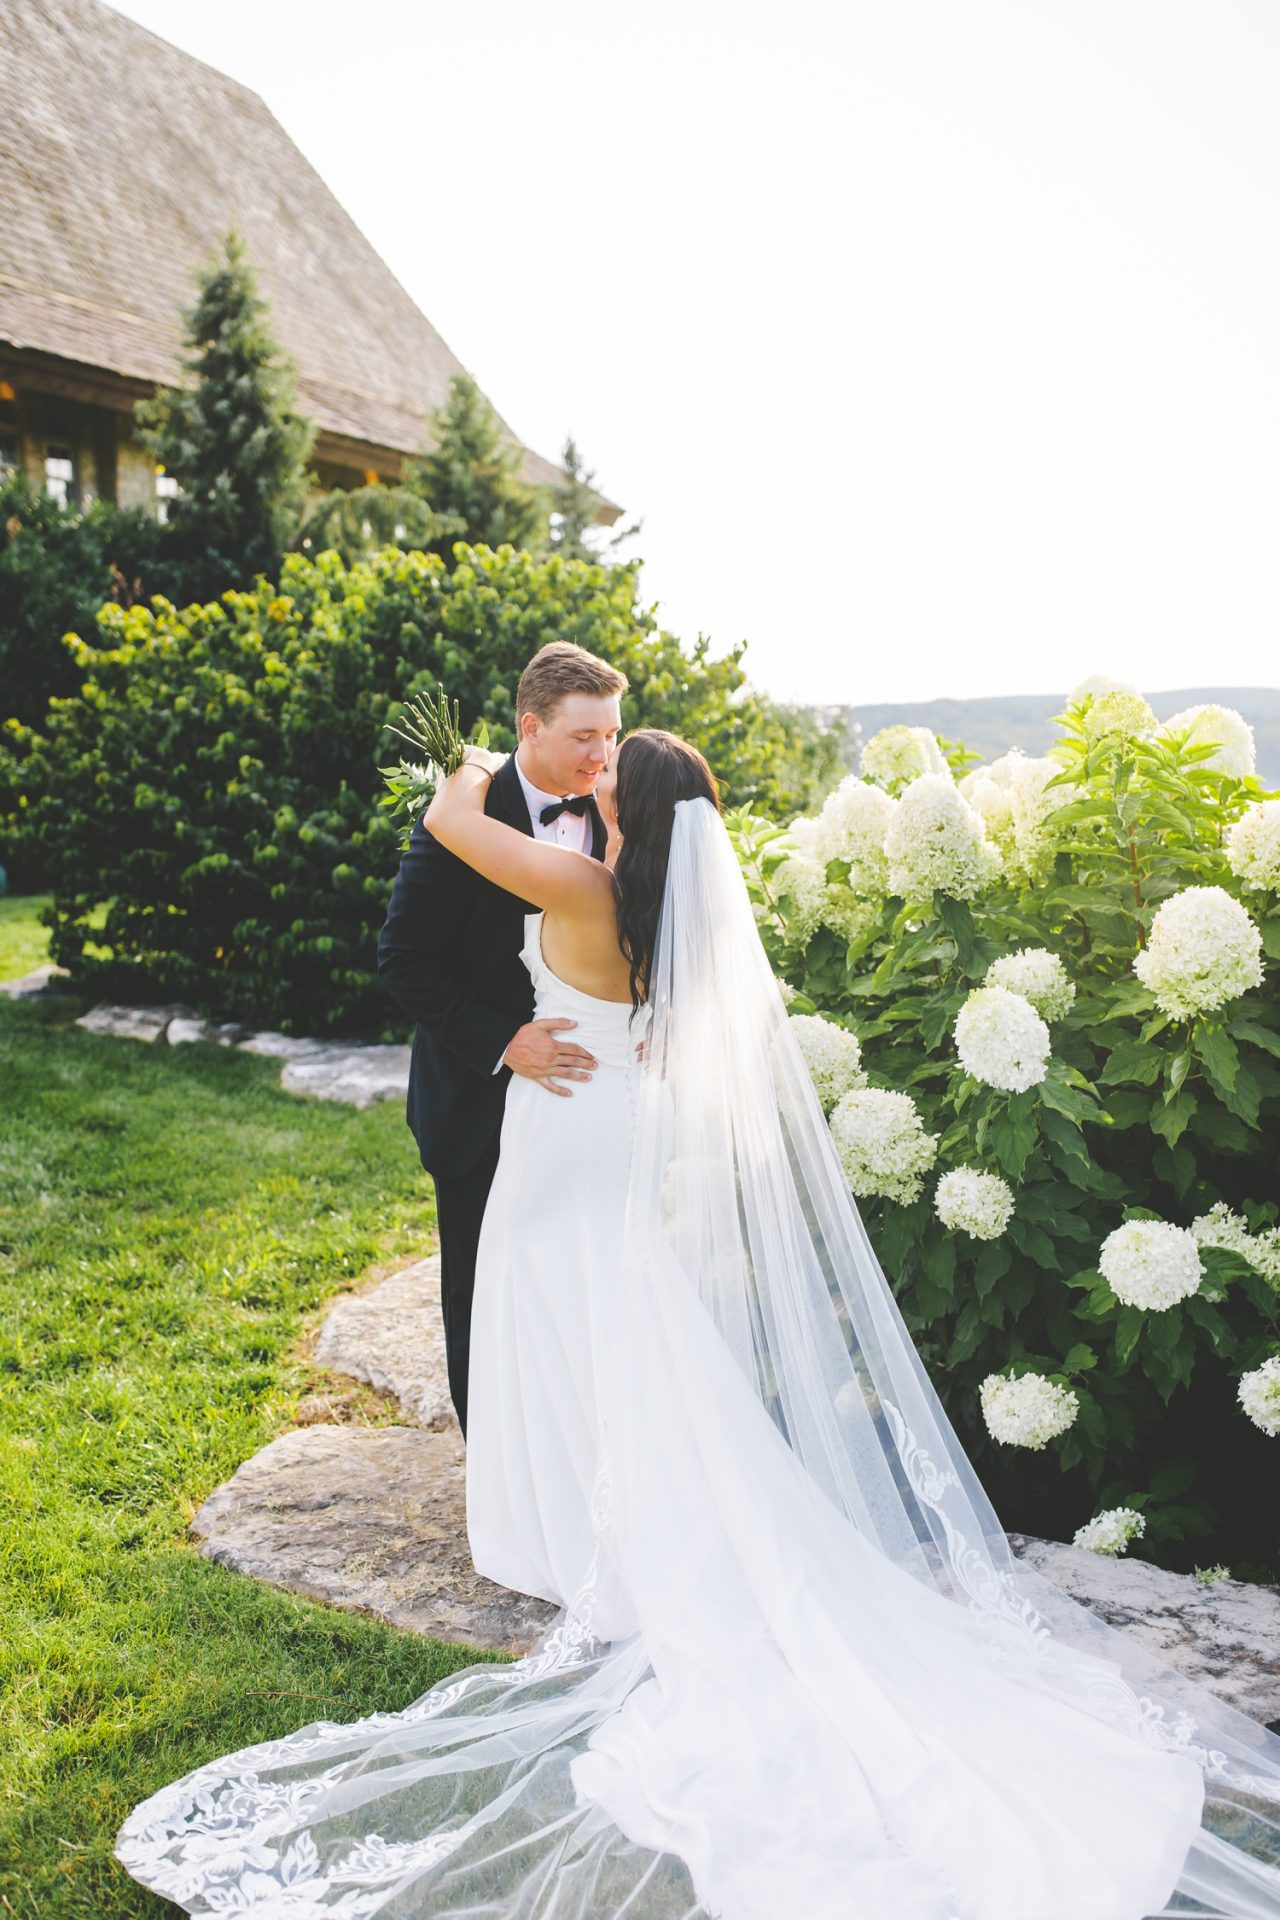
x: 437, y: 733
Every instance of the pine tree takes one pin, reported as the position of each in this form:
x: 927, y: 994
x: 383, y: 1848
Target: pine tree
x: 573, y: 507
x: 357, y: 521
x: 472, y: 473
x: 573, y: 512
x: 231, y: 437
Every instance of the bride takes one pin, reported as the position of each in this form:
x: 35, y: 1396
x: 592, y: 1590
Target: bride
x: 796, y: 1672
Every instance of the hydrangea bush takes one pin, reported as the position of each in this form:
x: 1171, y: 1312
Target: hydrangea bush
x: 1063, y: 973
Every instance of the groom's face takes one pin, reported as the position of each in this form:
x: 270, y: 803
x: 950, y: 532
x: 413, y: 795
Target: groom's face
x: 568, y: 752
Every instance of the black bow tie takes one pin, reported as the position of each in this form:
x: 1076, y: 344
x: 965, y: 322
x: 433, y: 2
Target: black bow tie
x: 580, y: 803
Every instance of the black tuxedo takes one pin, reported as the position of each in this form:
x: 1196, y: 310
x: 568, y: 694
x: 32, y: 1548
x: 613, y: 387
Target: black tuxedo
x: 449, y: 955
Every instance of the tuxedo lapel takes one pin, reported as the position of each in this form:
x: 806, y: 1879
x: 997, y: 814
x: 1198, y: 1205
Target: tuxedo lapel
x: 506, y: 800
x: 599, y: 832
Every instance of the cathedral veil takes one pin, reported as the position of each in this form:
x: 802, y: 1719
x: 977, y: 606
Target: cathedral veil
x: 802, y: 1672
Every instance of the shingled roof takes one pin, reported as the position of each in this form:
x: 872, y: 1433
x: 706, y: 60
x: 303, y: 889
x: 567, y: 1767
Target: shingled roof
x: 124, y: 161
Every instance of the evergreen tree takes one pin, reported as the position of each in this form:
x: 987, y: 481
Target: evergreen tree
x: 472, y: 474
x: 357, y: 521
x: 573, y: 507
x: 573, y: 512
x: 231, y: 438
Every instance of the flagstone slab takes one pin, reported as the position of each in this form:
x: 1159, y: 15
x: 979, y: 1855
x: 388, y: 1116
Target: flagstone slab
x: 372, y: 1519
x: 131, y: 1023
x: 40, y: 982
x: 352, y: 1073
x: 356, y: 1076
x: 392, y: 1337
x: 1224, y: 1634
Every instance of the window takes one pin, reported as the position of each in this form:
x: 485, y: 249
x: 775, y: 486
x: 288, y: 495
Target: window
x: 60, y: 475
x: 167, y: 490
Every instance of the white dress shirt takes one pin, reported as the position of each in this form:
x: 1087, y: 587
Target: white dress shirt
x: 570, y: 830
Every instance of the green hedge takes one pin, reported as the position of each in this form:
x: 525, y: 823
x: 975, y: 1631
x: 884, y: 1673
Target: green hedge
x: 214, y: 782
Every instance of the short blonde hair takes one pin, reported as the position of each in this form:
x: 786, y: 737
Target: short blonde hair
x: 561, y: 668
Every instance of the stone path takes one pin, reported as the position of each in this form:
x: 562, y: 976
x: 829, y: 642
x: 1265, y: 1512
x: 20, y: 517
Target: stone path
x: 353, y: 1074
x: 339, y: 1070
x: 375, y: 1518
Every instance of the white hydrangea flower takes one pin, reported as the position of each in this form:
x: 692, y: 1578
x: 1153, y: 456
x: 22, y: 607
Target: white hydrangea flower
x: 1151, y: 1264
x: 1118, y: 713
x: 1227, y: 729
x: 1264, y: 1252
x: 1001, y: 1040
x: 848, y: 914
x: 897, y: 755
x: 992, y: 800
x: 1028, y: 1411
x: 786, y: 989
x: 1259, y: 1395
x: 852, y: 826
x: 1204, y: 950
x: 1220, y: 1227
x: 1096, y: 684
x: 1253, y: 846
x: 1010, y: 797
x: 936, y: 843
x: 882, y: 1144
x: 1111, y: 1532
x: 1039, y: 976
x: 972, y: 1202
x: 832, y: 1055
x: 803, y: 833
x: 801, y: 882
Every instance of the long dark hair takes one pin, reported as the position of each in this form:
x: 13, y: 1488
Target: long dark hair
x: 655, y: 769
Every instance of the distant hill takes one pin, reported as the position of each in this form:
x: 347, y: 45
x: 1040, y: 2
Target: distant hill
x: 992, y: 726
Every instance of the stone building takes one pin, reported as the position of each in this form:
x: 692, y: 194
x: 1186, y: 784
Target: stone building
x: 122, y: 163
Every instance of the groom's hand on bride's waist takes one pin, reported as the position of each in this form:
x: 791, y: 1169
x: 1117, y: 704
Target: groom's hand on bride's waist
x: 537, y: 1053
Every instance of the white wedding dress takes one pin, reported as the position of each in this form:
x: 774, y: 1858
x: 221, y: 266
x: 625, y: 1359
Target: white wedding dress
x: 796, y: 1673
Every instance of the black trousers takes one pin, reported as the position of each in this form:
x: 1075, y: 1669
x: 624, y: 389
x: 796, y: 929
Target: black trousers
x: 460, y: 1204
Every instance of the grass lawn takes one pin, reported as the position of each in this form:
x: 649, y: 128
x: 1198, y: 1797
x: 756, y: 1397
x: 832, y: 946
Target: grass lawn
x: 170, y: 1222
x: 24, y: 943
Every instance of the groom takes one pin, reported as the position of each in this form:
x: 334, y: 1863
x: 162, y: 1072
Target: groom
x: 449, y: 954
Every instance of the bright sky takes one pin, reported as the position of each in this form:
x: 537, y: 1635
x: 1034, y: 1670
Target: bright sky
x: 936, y: 343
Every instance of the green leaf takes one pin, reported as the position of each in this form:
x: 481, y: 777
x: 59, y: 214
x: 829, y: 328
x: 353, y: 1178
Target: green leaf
x: 1172, y: 1119
x: 1013, y: 1136
x: 1080, y: 1358
x: 1221, y: 1057
x: 1254, y: 1034
x: 1132, y: 1060
x: 1129, y: 1324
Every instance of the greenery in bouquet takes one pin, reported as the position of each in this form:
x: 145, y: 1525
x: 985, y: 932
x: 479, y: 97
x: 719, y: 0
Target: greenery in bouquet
x: 1057, y: 1097
x: 436, y: 731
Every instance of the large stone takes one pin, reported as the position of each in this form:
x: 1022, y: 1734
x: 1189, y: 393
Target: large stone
x: 131, y: 1023
x: 372, y: 1518
x: 280, y: 1046
x: 356, y: 1076
x: 392, y: 1336
x: 40, y: 983
x: 1224, y: 1634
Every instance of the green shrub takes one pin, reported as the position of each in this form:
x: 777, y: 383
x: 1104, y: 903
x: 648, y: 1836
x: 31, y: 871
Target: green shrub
x: 214, y: 779
x: 57, y: 567
x: 885, y: 914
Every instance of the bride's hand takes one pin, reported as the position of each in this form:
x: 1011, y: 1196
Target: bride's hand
x: 481, y: 757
